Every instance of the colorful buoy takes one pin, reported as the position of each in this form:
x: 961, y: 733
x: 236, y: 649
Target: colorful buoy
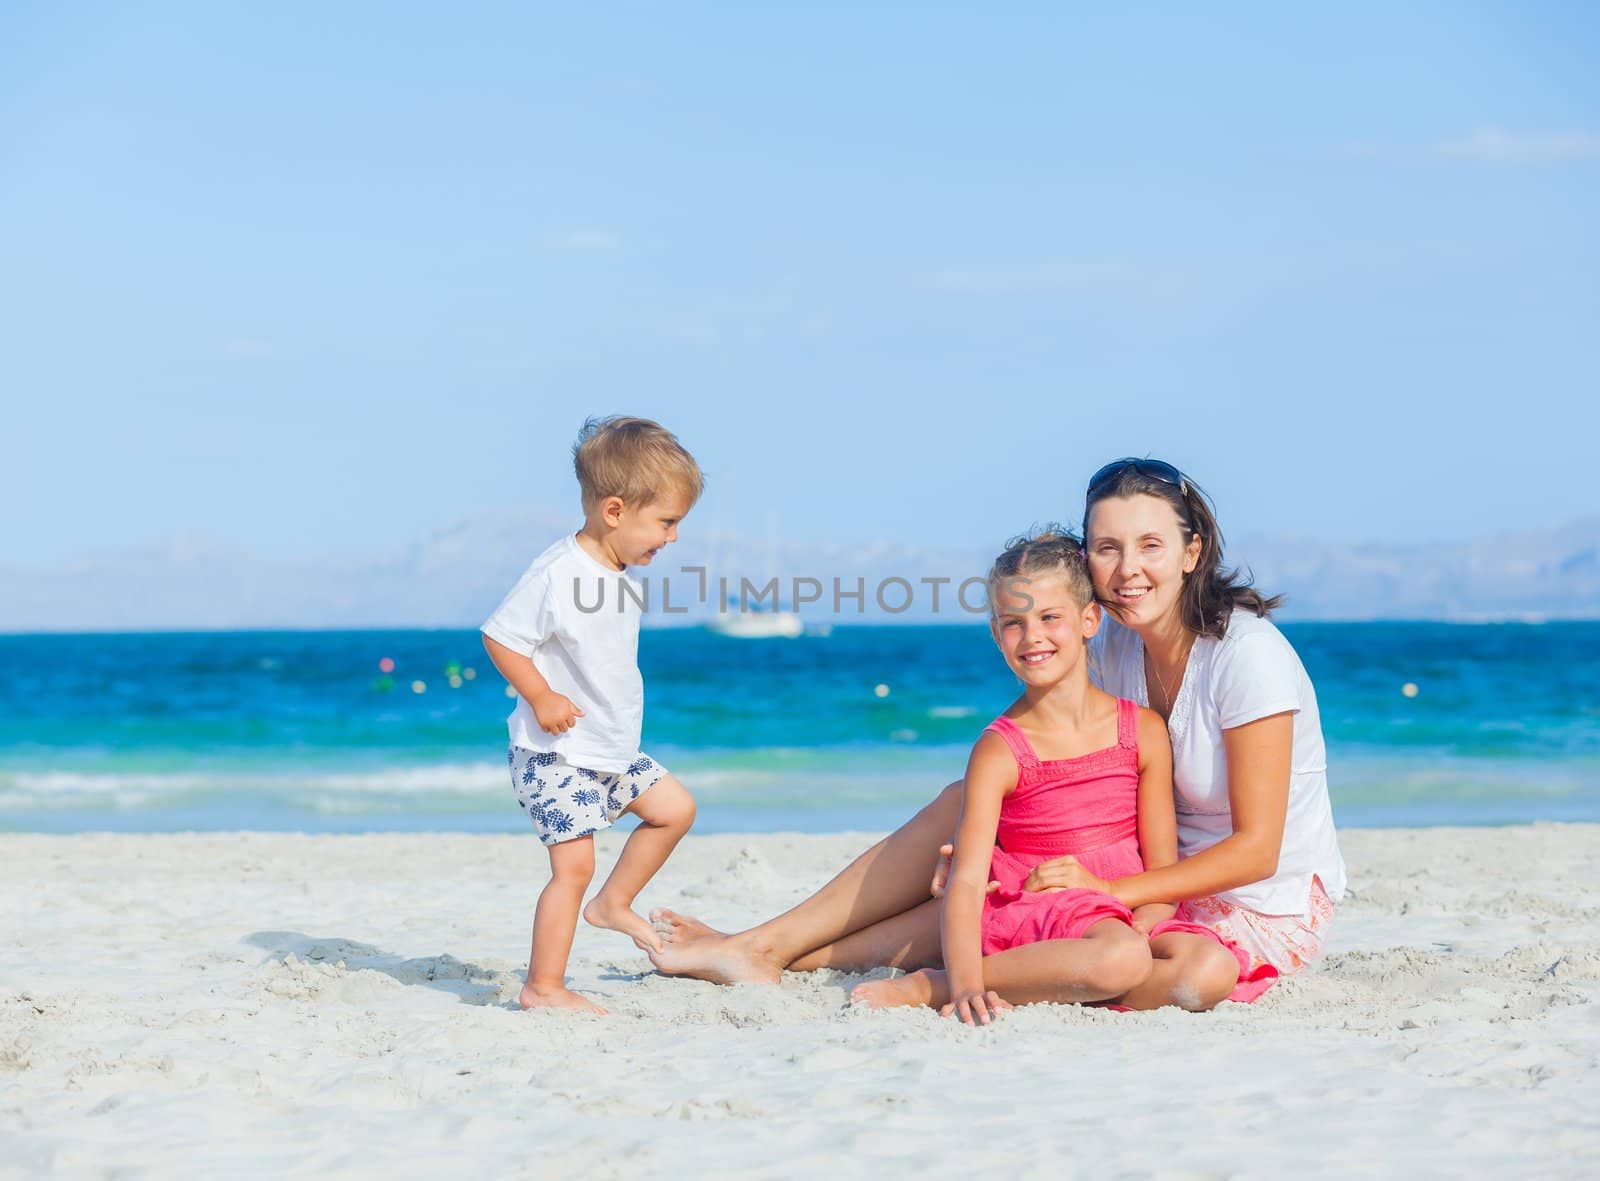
x: 419, y: 686
x: 386, y: 665
x: 1409, y: 689
x: 880, y: 691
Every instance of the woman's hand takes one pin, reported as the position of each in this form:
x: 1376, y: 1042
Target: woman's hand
x: 1064, y: 873
x: 975, y: 1006
x: 941, y: 872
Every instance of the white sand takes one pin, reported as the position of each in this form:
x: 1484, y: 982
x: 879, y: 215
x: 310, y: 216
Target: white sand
x: 261, y: 1005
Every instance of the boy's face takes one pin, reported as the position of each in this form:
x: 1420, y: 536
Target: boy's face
x: 640, y: 533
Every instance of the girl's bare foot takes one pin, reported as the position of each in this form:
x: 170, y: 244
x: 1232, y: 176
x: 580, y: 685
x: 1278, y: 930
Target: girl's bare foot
x: 557, y: 997
x: 601, y: 912
x: 690, y: 948
x: 915, y: 988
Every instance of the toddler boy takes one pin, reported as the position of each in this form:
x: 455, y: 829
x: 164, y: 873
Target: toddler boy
x: 567, y: 640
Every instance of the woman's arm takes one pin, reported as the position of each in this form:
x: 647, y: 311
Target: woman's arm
x: 1158, y: 822
x: 991, y: 775
x: 1259, y: 756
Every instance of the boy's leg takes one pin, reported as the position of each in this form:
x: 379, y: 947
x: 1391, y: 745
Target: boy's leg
x: 555, y: 921
x: 665, y: 812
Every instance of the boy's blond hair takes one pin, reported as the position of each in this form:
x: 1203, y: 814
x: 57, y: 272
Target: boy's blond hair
x: 634, y: 459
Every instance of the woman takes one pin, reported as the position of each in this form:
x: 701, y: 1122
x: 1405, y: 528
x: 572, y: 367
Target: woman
x: 1259, y: 860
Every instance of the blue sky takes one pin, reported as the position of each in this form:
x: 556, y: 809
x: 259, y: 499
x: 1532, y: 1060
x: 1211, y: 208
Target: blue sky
x: 312, y: 279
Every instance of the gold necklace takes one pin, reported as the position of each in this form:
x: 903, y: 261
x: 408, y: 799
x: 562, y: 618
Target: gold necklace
x: 1166, y: 694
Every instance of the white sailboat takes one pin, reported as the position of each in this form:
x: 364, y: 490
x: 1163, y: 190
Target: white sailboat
x: 743, y: 621
x: 756, y: 625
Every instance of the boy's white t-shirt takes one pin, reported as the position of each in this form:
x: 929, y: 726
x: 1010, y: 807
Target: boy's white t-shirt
x: 1250, y: 673
x: 589, y: 653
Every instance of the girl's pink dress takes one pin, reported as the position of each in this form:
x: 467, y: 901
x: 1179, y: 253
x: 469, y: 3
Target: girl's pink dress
x: 1086, y: 806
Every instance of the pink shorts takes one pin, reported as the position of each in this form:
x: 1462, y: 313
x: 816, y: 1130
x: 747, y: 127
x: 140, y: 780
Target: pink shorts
x: 1012, y: 919
x: 1287, y: 942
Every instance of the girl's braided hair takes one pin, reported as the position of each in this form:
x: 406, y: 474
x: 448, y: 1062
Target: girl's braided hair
x: 1043, y: 552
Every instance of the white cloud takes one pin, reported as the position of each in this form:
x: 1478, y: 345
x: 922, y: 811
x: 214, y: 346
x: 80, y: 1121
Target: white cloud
x: 1128, y: 278
x: 248, y: 346
x: 1496, y: 145
x: 587, y: 240
x: 1490, y: 145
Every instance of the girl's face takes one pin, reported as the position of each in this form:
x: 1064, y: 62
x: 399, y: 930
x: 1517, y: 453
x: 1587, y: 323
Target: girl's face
x: 1138, y: 556
x: 1040, y: 628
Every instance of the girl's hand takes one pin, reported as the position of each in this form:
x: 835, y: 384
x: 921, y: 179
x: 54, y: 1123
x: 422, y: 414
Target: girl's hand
x: 1064, y: 873
x: 1147, y: 917
x: 975, y: 1006
x: 941, y: 872
x: 555, y: 712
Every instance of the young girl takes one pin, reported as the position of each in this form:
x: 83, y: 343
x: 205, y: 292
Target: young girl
x: 1067, y: 769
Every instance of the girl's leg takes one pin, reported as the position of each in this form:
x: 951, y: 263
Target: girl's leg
x: 1190, y: 971
x: 555, y: 921
x: 888, y: 879
x: 665, y: 812
x: 1107, y: 962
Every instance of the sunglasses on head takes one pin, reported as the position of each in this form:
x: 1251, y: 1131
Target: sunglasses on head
x: 1153, y: 469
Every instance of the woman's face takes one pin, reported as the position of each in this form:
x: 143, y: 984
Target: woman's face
x: 1138, y: 556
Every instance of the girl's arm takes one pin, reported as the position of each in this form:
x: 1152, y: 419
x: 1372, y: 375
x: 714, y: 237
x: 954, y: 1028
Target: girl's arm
x: 1158, y: 822
x: 991, y: 776
x: 1259, y: 757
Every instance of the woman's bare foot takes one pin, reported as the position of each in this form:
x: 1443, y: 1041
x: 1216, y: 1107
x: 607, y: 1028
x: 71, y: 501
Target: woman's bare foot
x: 558, y: 997
x: 916, y: 988
x: 690, y: 948
x: 601, y: 912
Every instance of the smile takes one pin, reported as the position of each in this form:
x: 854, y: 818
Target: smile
x: 1035, y: 657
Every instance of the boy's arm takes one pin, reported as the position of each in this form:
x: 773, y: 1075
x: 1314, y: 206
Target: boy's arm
x: 1158, y: 820
x: 991, y: 775
x: 556, y: 713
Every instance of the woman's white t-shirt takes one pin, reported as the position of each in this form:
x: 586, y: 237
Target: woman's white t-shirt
x: 578, y: 621
x: 1250, y: 673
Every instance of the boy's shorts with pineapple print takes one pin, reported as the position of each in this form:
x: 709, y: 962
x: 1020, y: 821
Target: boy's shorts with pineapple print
x: 566, y: 802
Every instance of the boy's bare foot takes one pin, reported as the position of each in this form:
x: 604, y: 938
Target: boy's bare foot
x: 690, y: 948
x: 915, y: 988
x: 559, y: 997
x: 602, y: 913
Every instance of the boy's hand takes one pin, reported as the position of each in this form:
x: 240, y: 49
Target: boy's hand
x: 555, y: 712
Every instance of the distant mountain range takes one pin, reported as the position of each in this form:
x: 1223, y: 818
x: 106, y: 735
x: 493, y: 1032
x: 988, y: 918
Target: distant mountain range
x: 453, y: 577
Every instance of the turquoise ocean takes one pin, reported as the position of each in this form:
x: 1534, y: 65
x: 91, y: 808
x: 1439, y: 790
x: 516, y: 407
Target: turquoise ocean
x: 855, y: 729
